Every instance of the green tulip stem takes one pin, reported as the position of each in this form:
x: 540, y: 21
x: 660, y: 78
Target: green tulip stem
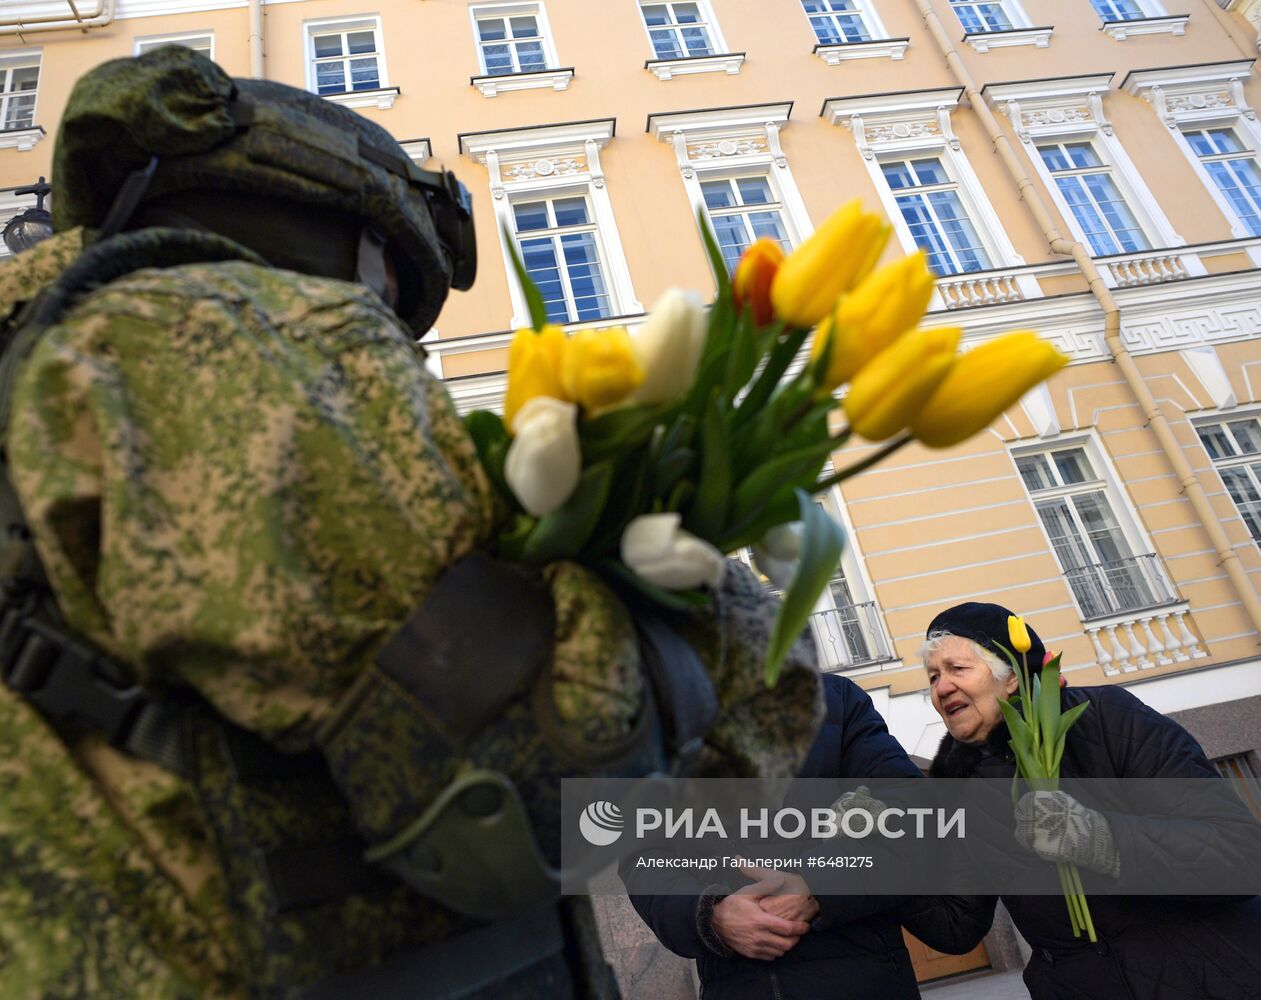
x: 1082, y: 904
x: 879, y: 455
x: 1070, y: 897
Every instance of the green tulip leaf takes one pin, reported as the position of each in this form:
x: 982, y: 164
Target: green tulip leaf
x: 533, y: 297
x: 619, y: 431
x: 781, y: 508
x: 562, y: 533
x: 795, y: 468
x: 822, y: 541
x: 742, y: 361
x: 491, y: 439
x: 1049, y: 705
x: 716, y: 259
x: 708, y: 511
x: 1068, y: 718
x: 777, y: 363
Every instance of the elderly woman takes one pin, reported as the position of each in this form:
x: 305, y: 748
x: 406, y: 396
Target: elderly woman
x: 1167, y: 947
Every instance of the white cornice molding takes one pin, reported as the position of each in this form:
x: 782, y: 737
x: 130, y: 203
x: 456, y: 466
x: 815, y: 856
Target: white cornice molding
x: 546, y: 79
x: 380, y: 97
x: 668, y: 69
x: 983, y: 41
x: 21, y: 139
x: 1175, y: 24
x: 1035, y: 106
x: 716, y: 122
x: 876, y: 48
x: 889, y: 121
x: 555, y: 140
x: 417, y: 150
x: 1193, y: 92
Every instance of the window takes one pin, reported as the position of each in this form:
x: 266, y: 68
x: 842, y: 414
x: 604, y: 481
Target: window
x: 557, y: 238
x: 201, y: 41
x: 1073, y: 503
x: 980, y: 17
x: 1233, y: 168
x: 19, y: 78
x: 346, y: 57
x: 1118, y: 10
x: 1087, y: 186
x: 836, y: 22
x: 510, y: 44
x: 678, y: 30
x: 741, y: 210
x: 929, y: 202
x: 1235, y: 448
x: 1238, y: 770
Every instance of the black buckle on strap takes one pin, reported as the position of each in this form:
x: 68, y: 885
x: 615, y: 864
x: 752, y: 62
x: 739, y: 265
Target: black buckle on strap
x: 65, y: 679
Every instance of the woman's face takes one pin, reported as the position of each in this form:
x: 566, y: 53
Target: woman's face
x: 964, y: 691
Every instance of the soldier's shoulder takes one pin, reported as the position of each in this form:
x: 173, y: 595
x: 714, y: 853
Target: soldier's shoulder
x: 24, y: 274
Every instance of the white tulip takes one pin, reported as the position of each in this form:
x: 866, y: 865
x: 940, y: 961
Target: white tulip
x: 544, y: 459
x: 778, y: 552
x: 660, y: 552
x: 668, y: 346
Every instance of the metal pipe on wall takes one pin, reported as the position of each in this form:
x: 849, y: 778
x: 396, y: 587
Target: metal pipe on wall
x: 57, y: 22
x: 258, y: 66
x: 1032, y: 196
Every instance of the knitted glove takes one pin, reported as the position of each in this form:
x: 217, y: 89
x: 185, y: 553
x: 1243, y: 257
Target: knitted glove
x: 860, y: 798
x: 1056, y: 827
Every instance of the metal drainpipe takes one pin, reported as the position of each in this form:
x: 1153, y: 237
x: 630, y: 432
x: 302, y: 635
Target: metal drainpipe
x: 1227, y: 557
x: 257, y: 67
x: 59, y: 22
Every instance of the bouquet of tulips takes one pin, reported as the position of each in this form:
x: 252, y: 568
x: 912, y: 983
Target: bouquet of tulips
x: 1038, y: 730
x: 649, y: 456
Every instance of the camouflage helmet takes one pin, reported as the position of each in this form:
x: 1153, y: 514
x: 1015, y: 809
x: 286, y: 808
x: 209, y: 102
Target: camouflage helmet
x: 171, y: 121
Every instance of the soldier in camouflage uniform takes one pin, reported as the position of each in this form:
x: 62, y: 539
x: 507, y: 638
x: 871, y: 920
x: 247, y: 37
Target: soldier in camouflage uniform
x: 240, y: 481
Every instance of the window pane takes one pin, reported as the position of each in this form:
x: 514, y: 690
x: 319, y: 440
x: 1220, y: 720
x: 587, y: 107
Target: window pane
x: 898, y: 175
x: 530, y: 215
x: 330, y: 78
x: 492, y: 29
x: 363, y: 74
x: 327, y: 45
x: 1216, y: 441
x: 697, y: 42
x: 571, y: 211
x: 718, y: 194
x: 591, y: 300
x: 1243, y: 490
x: 769, y: 224
x: 530, y: 56
x: 1116, y: 213
x: 1053, y: 157
x: 498, y: 59
x: 26, y: 78
x: 930, y: 172
x: 687, y: 13
x: 826, y: 30
x: 1073, y: 466
x: 1082, y: 154
x: 539, y: 257
x: 524, y: 27
x: 754, y: 190
x: 656, y: 14
x: 361, y: 41
x: 1240, y: 182
x: 1035, y: 471
x: 1101, y: 526
x: 1200, y: 142
x: 665, y: 43
x: 1247, y: 434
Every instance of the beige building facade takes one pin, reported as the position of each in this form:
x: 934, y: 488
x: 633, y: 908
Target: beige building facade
x: 592, y: 132
x: 1118, y: 508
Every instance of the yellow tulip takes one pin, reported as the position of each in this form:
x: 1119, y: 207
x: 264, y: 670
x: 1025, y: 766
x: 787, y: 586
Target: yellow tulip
x: 872, y: 317
x: 534, y: 362
x: 838, y: 256
x: 983, y: 384
x: 751, y: 283
x: 887, y: 394
x: 599, y: 368
x: 1018, y: 634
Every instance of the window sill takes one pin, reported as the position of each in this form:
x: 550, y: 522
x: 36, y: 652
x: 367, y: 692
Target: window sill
x: 1121, y: 30
x: 539, y: 79
x: 983, y: 41
x: 667, y: 69
x: 382, y: 97
x: 21, y: 139
x: 878, y: 48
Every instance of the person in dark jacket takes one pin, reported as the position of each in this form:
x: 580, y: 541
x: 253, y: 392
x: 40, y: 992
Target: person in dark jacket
x: 1149, y: 947
x: 771, y: 938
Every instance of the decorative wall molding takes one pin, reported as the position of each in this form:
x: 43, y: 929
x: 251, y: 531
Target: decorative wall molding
x: 1208, y: 368
x: 1175, y: 24
x: 890, y: 120
x: 543, y: 79
x: 381, y: 97
x: 668, y: 69
x: 418, y: 150
x: 877, y: 48
x: 983, y: 41
x: 21, y: 139
x: 1184, y: 94
x: 1047, y: 106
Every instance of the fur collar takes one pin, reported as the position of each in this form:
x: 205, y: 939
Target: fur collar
x: 960, y: 760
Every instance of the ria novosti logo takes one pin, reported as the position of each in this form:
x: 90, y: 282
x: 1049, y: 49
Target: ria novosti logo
x: 601, y: 823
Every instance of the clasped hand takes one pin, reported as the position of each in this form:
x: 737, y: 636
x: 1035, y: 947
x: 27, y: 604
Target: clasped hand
x: 765, y: 919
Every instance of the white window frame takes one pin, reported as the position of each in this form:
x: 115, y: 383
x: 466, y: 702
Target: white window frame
x: 733, y: 142
x: 146, y: 43
x: 1155, y: 20
x: 22, y: 137
x: 1101, y: 168
x: 1226, y: 417
x: 1207, y: 96
x: 1131, y: 528
x: 381, y: 96
x: 552, y: 161
x: 918, y: 123
x: 1022, y: 31
x: 553, y: 76
x: 879, y: 46
x: 1070, y: 109
x: 721, y: 60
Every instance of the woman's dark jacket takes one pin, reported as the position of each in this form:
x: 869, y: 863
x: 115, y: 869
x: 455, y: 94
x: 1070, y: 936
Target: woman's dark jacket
x: 855, y: 948
x: 1166, y: 947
